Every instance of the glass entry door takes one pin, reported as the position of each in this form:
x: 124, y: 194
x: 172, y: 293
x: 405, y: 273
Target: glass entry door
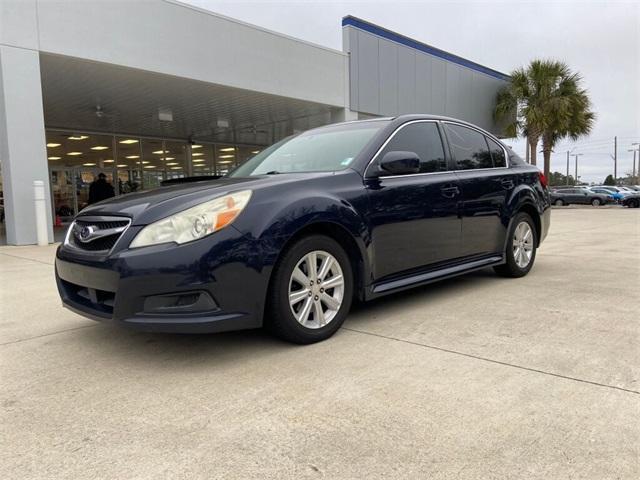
x: 70, y: 188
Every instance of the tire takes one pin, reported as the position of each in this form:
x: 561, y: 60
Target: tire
x: 634, y: 203
x: 596, y: 202
x: 513, y: 267
x: 559, y: 203
x: 312, y: 327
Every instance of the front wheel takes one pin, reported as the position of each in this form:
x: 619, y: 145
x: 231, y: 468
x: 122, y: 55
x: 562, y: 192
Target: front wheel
x: 558, y: 203
x: 634, y: 203
x: 521, y: 247
x: 596, y: 202
x: 311, y: 291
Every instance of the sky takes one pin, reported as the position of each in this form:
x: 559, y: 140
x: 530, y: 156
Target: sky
x: 600, y: 40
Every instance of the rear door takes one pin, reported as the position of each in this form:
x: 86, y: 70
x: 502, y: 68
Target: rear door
x: 413, y: 218
x: 486, y: 183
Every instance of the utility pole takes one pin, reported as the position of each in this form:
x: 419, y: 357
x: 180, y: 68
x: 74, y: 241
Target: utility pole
x: 576, y: 155
x: 634, y: 179
x: 568, y: 152
x: 615, y: 160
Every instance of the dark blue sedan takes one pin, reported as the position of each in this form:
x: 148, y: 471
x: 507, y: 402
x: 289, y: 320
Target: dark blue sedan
x: 287, y: 240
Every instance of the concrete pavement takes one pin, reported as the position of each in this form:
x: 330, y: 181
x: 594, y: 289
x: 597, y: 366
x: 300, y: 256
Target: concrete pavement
x: 475, y: 378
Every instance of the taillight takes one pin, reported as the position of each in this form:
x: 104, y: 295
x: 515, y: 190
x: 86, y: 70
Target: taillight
x: 543, y: 180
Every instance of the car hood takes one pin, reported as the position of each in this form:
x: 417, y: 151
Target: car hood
x: 149, y: 206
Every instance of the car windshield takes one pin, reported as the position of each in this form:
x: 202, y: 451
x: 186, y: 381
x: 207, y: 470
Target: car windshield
x: 323, y: 149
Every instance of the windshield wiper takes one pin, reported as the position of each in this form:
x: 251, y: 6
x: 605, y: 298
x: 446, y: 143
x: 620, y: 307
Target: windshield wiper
x: 273, y: 172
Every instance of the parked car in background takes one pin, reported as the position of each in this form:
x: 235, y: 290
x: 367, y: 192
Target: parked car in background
x: 613, y: 190
x: 615, y: 196
x: 632, y: 201
x: 353, y: 210
x: 578, y: 195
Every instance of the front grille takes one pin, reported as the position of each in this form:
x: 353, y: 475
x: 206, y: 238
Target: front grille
x: 100, y: 233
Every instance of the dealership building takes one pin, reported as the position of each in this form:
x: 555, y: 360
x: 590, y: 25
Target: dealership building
x: 154, y: 90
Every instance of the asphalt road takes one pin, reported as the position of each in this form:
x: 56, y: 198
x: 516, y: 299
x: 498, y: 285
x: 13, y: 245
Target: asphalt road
x: 477, y: 377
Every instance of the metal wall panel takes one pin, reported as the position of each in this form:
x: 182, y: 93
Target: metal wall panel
x: 424, y: 83
x: 391, y: 74
x: 368, y: 74
x: 407, y: 80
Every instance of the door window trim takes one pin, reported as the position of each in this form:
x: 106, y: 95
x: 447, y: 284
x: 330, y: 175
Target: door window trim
x: 393, y: 134
x: 445, y: 144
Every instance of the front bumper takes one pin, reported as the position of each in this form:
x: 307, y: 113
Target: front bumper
x: 211, y: 285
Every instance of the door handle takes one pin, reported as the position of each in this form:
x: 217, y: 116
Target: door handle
x: 506, y: 183
x: 449, y: 191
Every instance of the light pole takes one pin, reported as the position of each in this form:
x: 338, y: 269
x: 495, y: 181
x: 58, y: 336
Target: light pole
x: 576, y: 155
x: 635, y: 180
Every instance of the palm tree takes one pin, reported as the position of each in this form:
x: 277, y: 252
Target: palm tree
x: 544, y: 101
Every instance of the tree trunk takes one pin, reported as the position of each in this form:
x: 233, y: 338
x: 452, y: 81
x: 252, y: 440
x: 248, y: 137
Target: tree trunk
x: 547, y: 148
x: 533, y: 146
x: 547, y: 162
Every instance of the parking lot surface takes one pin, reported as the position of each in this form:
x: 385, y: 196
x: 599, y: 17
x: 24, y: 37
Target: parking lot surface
x: 477, y: 377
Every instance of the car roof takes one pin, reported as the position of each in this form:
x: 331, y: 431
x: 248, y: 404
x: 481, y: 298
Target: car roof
x: 419, y: 116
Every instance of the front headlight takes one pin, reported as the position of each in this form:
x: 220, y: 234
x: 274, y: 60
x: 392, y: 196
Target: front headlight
x: 195, y: 222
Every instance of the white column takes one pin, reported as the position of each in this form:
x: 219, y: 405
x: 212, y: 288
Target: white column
x: 22, y: 142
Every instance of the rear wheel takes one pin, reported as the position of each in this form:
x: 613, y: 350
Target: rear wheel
x: 521, y: 247
x: 311, y: 291
x: 634, y: 203
x: 596, y: 202
x: 558, y: 203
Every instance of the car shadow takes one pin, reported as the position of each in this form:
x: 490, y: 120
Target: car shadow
x: 150, y: 350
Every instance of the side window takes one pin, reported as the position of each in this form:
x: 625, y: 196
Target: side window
x: 422, y: 138
x: 497, y: 152
x: 470, y: 148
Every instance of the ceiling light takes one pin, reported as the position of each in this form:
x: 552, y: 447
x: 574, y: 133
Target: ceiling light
x: 89, y: 164
x: 255, y: 151
x: 54, y: 158
x: 197, y: 160
x: 228, y: 149
x: 74, y: 154
x: 169, y: 158
x: 144, y: 161
x: 193, y: 147
x: 149, y: 166
x: 122, y: 165
x: 53, y: 145
x: 132, y: 157
x: 128, y: 141
x: 107, y: 161
x: 226, y: 156
x: 99, y: 147
x: 78, y: 137
x: 226, y: 161
x: 173, y: 163
x: 176, y: 168
x: 199, y: 154
x: 160, y: 152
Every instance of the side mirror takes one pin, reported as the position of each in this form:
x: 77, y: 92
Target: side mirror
x: 399, y: 163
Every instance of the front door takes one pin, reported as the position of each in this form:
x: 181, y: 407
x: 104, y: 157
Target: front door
x: 413, y: 218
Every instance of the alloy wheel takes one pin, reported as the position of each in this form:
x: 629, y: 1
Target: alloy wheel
x: 316, y: 289
x: 523, y: 244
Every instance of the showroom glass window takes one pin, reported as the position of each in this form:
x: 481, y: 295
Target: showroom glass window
x: 469, y: 147
x: 423, y: 139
